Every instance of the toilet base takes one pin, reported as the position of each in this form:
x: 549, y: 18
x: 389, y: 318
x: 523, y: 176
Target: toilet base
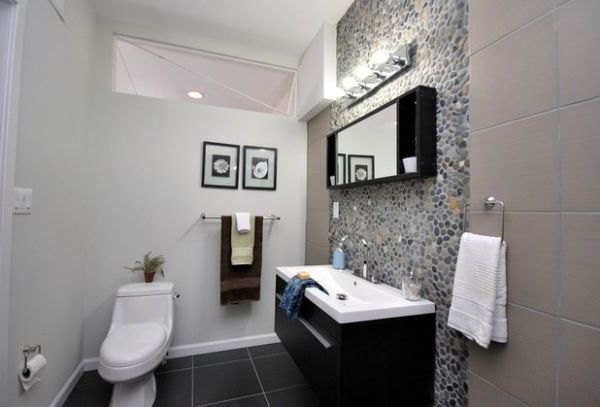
x: 137, y: 393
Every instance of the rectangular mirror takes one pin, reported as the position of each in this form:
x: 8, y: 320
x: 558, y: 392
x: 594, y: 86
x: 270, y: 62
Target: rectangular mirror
x: 395, y: 141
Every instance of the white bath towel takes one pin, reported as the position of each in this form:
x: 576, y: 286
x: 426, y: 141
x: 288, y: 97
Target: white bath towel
x: 242, y: 220
x: 479, y: 295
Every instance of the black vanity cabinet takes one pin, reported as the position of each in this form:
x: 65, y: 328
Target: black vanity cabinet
x: 382, y: 363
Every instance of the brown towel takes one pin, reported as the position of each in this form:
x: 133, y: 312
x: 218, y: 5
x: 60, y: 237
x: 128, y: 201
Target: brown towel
x: 240, y: 283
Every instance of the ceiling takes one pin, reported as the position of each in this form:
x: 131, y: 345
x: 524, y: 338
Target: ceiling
x: 283, y: 27
x: 166, y: 72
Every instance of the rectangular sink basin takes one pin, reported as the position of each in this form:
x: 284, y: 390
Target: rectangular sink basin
x: 364, y: 301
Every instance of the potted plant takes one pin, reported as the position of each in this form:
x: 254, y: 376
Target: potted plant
x: 149, y: 265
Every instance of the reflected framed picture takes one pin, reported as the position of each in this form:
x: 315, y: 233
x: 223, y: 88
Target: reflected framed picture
x: 220, y: 165
x: 260, y: 168
x: 361, y: 167
x: 340, y: 173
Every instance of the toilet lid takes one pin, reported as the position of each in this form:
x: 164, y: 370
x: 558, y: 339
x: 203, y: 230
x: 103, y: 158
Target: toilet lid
x: 132, y: 344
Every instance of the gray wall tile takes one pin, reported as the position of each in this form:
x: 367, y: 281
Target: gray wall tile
x: 317, y: 193
x: 580, y: 298
x: 317, y: 254
x: 579, y: 57
x: 493, y: 19
x: 515, y: 77
x: 580, y: 156
x: 316, y: 158
x: 317, y: 227
x: 526, y: 365
x: 518, y: 163
x: 533, y: 244
x: 318, y: 126
x: 579, y: 381
x: 484, y: 394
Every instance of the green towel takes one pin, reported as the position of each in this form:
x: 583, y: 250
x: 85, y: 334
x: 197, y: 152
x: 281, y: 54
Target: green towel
x: 242, y: 244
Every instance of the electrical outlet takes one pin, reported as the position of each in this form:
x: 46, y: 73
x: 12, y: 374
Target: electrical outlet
x: 23, y: 201
x: 336, y: 210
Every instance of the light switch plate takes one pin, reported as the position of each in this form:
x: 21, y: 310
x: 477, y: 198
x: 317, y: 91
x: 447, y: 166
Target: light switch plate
x: 336, y: 210
x: 23, y: 201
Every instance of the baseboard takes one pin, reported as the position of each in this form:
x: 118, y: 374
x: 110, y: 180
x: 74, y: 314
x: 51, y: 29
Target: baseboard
x: 64, y: 391
x: 204, y: 347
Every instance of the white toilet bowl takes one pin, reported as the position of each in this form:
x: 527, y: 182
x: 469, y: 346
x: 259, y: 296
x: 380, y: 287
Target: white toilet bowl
x: 139, y: 336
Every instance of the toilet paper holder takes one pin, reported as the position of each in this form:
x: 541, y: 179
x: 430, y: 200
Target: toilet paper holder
x: 28, y: 350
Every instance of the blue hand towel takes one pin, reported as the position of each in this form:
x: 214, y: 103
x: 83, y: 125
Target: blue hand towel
x: 293, y: 294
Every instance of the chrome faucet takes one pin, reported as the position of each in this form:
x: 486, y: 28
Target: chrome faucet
x: 365, y: 269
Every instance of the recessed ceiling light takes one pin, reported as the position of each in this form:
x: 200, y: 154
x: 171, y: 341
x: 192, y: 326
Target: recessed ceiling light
x: 194, y: 94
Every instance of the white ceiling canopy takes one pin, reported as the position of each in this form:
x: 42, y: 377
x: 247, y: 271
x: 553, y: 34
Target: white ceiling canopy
x: 167, y: 72
x: 283, y: 27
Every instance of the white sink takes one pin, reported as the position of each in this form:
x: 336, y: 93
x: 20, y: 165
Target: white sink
x: 364, y: 301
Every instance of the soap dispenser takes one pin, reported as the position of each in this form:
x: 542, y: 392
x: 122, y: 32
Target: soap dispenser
x: 339, y: 258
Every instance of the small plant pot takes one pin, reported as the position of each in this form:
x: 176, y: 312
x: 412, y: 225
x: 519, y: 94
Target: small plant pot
x: 149, y: 277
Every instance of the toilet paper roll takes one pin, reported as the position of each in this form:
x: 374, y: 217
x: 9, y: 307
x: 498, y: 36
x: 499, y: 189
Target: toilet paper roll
x: 34, y: 366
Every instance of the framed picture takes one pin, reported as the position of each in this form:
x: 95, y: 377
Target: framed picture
x: 220, y: 165
x: 260, y: 168
x: 361, y: 167
x: 340, y: 174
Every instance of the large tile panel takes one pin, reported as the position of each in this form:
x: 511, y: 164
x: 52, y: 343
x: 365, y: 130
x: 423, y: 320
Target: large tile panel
x: 518, y: 163
x: 578, y: 53
x: 491, y: 20
x: 316, y: 157
x: 580, y: 156
x: 579, y: 383
x: 318, y: 126
x: 515, y: 77
x: 533, y: 244
x: 526, y: 365
x: 317, y: 193
x: 581, y: 273
x: 317, y: 228
x: 484, y: 394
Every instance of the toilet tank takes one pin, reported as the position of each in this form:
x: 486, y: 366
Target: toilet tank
x: 144, y: 302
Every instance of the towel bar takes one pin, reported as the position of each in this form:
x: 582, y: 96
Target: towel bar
x: 204, y: 216
x: 489, y: 203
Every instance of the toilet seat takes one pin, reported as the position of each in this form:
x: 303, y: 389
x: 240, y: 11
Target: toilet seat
x: 132, y: 344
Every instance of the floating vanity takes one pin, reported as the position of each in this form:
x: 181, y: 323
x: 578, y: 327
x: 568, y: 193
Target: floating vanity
x: 371, y: 348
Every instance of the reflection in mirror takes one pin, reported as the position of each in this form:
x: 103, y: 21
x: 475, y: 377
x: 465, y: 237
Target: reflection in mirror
x: 368, y: 148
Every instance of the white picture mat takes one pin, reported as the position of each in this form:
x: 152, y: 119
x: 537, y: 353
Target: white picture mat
x: 220, y: 150
x: 267, y: 182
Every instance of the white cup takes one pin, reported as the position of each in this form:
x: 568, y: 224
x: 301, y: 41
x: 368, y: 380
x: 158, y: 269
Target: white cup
x: 332, y: 179
x: 410, y: 164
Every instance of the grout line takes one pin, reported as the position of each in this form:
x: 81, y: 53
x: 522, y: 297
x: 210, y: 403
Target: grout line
x: 510, y: 34
x: 288, y: 388
x: 579, y: 323
x: 258, y: 377
x: 556, y: 109
x: 173, y: 371
x: 221, y: 363
x: 233, y: 399
x: 268, y: 356
x: 559, y: 269
x: 498, y: 388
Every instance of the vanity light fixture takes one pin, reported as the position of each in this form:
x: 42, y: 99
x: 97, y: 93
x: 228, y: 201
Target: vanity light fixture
x: 194, y: 94
x: 383, y: 65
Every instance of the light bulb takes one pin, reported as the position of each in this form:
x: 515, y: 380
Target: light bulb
x: 349, y: 83
x: 194, y: 94
x: 362, y: 72
x: 380, y: 57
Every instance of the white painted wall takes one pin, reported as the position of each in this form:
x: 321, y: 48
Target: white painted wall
x: 317, y: 73
x: 47, y: 273
x: 144, y: 194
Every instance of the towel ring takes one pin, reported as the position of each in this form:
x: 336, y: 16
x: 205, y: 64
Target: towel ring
x: 489, y: 203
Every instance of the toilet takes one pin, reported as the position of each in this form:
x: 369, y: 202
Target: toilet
x: 140, y: 334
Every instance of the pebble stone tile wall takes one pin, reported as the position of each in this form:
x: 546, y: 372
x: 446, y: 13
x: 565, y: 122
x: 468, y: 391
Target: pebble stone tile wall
x: 413, y: 225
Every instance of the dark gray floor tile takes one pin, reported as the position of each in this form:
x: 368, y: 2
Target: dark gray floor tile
x: 90, y: 377
x: 258, y: 351
x: 252, y: 401
x: 278, y: 371
x: 220, y: 357
x: 174, y: 389
x: 302, y: 396
x: 175, y: 364
x: 90, y: 395
x: 225, y: 381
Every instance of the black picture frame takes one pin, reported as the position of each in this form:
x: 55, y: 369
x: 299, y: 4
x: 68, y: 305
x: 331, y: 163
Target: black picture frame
x: 220, y: 165
x: 341, y: 168
x: 265, y: 177
x: 356, y: 160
